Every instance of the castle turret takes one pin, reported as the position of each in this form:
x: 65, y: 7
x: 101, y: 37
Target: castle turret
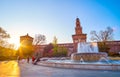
x: 26, y: 47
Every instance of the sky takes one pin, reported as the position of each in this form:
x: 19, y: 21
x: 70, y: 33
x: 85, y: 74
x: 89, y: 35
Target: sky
x: 57, y: 18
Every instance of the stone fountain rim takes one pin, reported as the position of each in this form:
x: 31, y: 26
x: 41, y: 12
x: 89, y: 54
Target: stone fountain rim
x: 113, y: 67
x: 90, y: 53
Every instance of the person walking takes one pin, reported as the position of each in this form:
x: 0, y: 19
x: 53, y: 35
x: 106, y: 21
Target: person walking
x: 28, y: 59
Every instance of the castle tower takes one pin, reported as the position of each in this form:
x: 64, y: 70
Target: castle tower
x: 25, y: 46
x: 26, y: 40
x: 78, y: 36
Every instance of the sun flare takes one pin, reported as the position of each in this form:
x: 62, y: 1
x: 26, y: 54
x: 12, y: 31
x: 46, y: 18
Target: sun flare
x: 14, y: 41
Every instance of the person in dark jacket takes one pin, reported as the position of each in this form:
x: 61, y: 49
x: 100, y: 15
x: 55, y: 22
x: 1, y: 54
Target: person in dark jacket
x: 28, y: 59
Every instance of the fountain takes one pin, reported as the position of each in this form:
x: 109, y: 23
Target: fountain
x: 87, y: 57
x: 88, y: 52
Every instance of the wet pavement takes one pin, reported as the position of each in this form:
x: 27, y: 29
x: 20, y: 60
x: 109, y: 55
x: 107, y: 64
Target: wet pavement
x: 23, y: 69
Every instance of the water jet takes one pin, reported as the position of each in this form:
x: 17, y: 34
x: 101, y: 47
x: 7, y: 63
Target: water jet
x: 88, y: 52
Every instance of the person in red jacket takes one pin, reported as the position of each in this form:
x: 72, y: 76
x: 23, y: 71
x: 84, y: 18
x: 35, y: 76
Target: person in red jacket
x: 33, y: 59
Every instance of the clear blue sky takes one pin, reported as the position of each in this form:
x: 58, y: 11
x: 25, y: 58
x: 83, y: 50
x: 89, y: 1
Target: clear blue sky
x: 57, y: 17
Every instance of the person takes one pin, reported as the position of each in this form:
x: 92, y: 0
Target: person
x: 33, y: 59
x: 18, y: 58
x: 37, y: 59
x: 28, y: 59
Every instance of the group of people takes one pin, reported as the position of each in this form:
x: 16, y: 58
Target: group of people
x: 34, y: 59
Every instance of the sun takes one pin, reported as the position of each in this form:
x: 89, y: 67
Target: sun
x: 14, y: 41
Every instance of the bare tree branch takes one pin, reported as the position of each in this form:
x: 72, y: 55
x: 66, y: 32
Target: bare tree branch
x: 103, y: 35
x: 3, y: 36
x: 39, y: 39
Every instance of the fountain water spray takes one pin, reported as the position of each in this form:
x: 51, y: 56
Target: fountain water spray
x: 88, y: 52
x: 85, y: 47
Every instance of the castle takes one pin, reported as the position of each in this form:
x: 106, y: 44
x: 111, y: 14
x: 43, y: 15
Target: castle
x: 79, y: 36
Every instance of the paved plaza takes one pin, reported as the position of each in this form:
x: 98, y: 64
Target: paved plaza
x: 23, y: 69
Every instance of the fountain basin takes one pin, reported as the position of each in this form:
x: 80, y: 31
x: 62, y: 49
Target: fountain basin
x: 90, y: 66
x: 88, y: 56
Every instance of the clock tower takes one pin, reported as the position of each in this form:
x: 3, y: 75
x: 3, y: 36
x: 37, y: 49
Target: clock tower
x: 78, y: 36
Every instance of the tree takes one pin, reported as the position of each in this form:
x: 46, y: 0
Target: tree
x: 58, y: 51
x: 55, y: 46
x: 62, y: 51
x: 48, y: 50
x: 55, y: 40
x: 39, y: 39
x: 11, y: 46
x: 3, y: 36
x: 102, y: 36
x: 7, y: 51
x: 103, y: 47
